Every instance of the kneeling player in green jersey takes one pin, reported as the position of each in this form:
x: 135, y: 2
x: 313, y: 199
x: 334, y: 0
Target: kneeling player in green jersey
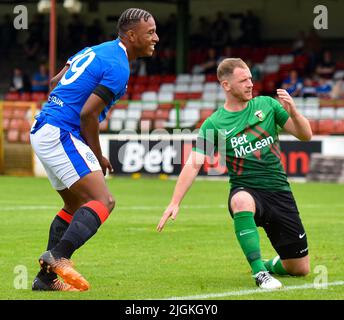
x: 245, y: 132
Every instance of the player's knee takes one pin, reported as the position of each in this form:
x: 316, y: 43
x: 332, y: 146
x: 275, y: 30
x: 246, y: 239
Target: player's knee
x: 242, y: 201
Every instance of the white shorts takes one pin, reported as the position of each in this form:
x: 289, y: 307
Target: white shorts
x: 65, y: 158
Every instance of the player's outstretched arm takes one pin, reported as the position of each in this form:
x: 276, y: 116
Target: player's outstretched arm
x: 297, y: 124
x: 184, y: 182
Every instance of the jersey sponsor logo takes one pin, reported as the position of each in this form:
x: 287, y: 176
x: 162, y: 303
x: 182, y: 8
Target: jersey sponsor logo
x: 55, y: 100
x: 260, y: 115
x: 242, y: 146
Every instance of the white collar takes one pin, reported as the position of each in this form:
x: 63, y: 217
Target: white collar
x: 123, y: 47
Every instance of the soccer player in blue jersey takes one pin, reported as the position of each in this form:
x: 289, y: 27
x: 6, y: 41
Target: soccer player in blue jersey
x: 65, y: 137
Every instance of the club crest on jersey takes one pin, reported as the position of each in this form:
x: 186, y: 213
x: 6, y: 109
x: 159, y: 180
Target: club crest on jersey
x: 260, y: 115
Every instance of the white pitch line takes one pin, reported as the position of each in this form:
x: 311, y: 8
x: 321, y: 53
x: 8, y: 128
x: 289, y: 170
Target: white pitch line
x: 255, y: 291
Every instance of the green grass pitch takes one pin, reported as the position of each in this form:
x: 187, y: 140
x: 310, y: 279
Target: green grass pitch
x: 195, y: 257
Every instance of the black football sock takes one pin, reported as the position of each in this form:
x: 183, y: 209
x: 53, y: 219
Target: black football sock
x: 86, y: 221
x: 57, y: 229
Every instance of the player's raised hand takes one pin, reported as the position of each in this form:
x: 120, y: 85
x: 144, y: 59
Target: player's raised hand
x: 171, y: 211
x: 286, y: 100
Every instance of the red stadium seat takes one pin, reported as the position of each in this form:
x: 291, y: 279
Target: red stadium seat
x: 162, y: 114
x: 339, y: 126
x: 39, y: 96
x: 25, y: 96
x: 165, y: 106
x: 168, y: 78
x: 326, y: 126
x: 211, y: 78
x: 12, y: 96
x: 148, y: 115
x: 142, y: 80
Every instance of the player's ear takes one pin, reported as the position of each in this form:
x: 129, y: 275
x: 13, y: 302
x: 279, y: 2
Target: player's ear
x: 225, y: 85
x: 131, y: 35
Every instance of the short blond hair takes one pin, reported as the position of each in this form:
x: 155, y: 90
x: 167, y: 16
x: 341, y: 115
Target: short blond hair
x: 227, y: 66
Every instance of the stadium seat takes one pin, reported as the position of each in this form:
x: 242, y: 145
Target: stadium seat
x: 6, y: 123
x: 148, y: 115
x: 155, y: 87
x: 165, y: 97
x: 169, y: 78
x: 339, y: 126
x: 141, y: 80
x: 149, y: 105
x: 326, y: 127
x: 134, y: 114
x: 159, y: 124
x: 19, y: 113
x: 135, y: 105
x: 12, y: 96
x: 12, y: 135
x: 211, y: 87
x: 327, y: 113
x: 162, y: 114
x: 115, y: 124
x: 118, y: 114
x: 7, y: 113
x: 340, y: 113
x: 145, y: 125
x: 195, y: 95
x: 211, y: 78
x: 197, y: 78
x: 25, y: 96
x: 167, y: 88
x: 39, y: 96
x: 24, y: 137
x: 183, y: 78
x: 181, y: 95
x: 131, y: 124
x: 155, y: 79
x: 311, y: 113
x: 165, y: 106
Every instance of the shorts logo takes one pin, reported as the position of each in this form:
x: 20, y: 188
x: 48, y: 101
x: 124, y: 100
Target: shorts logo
x: 302, y: 235
x: 91, y: 157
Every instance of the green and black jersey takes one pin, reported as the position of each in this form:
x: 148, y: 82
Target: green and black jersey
x: 248, y: 139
